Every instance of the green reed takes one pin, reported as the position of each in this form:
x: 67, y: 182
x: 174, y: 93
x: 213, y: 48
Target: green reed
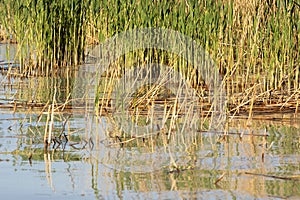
x: 252, y: 43
x: 49, y: 34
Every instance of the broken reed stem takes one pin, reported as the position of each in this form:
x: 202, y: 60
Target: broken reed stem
x: 296, y: 177
x: 252, y: 103
x: 220, y: 178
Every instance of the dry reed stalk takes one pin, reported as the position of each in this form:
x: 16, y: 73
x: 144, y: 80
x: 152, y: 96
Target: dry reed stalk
x: 296, y: 92
x: 174, y: 117
x: 46, y: 130
x: 220, y: 178
x: 153, y: 90
x: 108, y: 85
x: 252, y: 102
x: 51, y: 124
x: 236, y: 109
x: 41, y: 112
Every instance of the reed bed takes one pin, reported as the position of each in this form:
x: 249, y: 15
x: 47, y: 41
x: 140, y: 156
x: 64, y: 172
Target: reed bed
x: 255, y: 45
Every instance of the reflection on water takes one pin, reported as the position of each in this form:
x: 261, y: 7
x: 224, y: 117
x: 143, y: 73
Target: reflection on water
x: 257, y: 160
x: 143, y: 171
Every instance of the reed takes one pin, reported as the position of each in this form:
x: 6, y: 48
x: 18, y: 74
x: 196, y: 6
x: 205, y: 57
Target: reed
x: 252, y: 43
x: 50, y: 34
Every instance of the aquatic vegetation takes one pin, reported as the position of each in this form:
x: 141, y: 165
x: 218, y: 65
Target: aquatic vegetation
x: 159, y: 144
x: 50, y: 34
x: 255, y: 45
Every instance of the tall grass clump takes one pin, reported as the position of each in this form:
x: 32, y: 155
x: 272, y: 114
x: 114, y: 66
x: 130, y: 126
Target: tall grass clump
x: 50, y: 33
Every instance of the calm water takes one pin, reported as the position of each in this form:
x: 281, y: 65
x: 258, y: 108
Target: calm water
x: 90, y: 166
x: 113, y: 172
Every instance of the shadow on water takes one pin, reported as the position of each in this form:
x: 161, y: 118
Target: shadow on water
x: 90, y: 158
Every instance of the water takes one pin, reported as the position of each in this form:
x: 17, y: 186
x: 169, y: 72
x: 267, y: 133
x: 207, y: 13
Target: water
x: 92, y: 166
x: 138, y: 172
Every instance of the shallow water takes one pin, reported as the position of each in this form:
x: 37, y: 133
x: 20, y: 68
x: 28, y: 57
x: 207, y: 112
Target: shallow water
x: 141, y: 172
x: 257, y: 160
